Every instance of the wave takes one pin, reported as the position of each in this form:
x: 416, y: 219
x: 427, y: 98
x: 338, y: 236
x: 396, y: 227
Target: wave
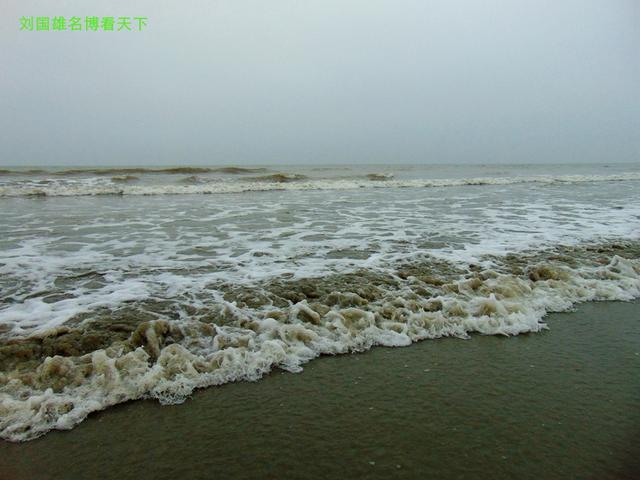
x: 136, y: 170
x: 128, y: 171
x: 290, y: 182
x: 33, y: 171
x: 377, y: 177
x: 239, y: 170
x: 53, y: 378
x: 280, y: 178
x: 124, y: 178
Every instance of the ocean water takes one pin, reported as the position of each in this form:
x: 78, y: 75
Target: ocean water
x: 119, y: 284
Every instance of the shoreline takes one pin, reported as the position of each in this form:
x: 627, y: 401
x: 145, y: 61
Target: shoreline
x: 556, y: 404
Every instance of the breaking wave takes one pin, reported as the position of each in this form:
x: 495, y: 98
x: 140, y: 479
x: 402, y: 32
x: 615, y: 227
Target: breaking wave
x: 165, y: 348
x: 277, y: 181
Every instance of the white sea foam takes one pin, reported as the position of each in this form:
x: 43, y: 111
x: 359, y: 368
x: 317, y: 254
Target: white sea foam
x: 136, y: 256
x: 496, y: 304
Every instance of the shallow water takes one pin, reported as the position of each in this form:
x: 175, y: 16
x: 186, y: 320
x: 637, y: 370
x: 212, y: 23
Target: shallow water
x: 108, y: 298
x: 560, y: 404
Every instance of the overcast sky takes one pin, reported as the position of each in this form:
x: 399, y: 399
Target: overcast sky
x: 323, y: 81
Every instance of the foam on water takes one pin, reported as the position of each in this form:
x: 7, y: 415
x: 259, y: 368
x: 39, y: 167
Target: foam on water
x: 51, y: 272
x: 166, y: 360
x: 110, y: 298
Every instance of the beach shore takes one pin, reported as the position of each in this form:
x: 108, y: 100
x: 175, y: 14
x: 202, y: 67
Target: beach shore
x: 559, y: 404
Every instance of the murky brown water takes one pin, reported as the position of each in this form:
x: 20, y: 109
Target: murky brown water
x: 559, y: 404
x: 111, y: 292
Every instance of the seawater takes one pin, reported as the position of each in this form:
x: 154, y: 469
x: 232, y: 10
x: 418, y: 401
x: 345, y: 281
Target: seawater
x: 131, y: 283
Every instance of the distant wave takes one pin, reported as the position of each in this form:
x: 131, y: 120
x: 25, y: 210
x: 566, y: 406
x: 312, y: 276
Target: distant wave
x: 196, y: 180
x: 280, y: 178
x: 4, y: 171
x: 377, y: 177
x: 136, y: 170
x: 128, y: 171
x: 239, y: 170
x: 287, y: 182
x: 124, y: 178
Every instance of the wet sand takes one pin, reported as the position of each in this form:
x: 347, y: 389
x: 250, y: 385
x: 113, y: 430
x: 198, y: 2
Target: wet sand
x: 564, y: 403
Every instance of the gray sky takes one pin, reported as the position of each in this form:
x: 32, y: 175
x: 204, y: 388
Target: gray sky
x: 323, y: 81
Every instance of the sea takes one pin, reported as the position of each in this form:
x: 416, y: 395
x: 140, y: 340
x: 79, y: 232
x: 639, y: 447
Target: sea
x: 123, y: 283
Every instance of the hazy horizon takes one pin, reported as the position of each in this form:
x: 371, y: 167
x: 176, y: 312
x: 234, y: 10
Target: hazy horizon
x: 120, y: 166
x: 324, y: 83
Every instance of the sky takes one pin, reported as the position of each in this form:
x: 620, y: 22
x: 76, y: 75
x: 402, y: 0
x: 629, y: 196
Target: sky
x: 248, y: 82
